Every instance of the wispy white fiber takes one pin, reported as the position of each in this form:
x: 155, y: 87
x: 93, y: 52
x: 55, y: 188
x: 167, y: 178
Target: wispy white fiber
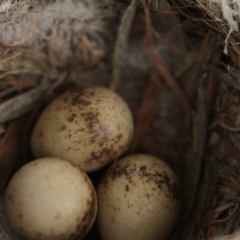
x: 230, y: 10
x: 6, y: 5
x: 62, y: 18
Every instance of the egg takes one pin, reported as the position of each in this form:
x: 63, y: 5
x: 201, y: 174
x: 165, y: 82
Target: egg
x: 50, y: 199
x: 138, y: 199
x: 89, y: 126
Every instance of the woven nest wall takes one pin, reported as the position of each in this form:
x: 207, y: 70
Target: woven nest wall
x: 176, y: 63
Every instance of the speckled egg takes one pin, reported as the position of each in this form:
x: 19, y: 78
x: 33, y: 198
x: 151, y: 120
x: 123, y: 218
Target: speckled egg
x: 50, y: 199
x: 89, y: 126
x: 138, y: 199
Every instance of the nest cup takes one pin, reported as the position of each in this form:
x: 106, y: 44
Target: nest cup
x: 176, y: 64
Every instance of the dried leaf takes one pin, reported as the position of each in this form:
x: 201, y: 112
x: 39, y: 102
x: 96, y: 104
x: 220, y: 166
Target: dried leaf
x: 21, y: 104
x: 121, y: 42
x: 9, y: 149
x: 193, y: 169
x: 195, y: 158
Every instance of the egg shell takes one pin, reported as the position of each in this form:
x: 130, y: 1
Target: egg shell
x: 138, y: 199
x: 49, y: 199
x: 89, y: 126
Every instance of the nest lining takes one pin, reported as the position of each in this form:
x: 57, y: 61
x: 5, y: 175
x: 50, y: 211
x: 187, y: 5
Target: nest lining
x: 63, y: 49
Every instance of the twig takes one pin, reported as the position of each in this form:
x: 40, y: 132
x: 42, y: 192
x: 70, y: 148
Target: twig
x: 145, y: 113
x: 212, y: 78
x: 224, y: 207
x: 225, y: 126
x: 234, y: 151
x: 234, y: 59
x: 161, y: 66
x: 62, y: 77
x: 233, y: 218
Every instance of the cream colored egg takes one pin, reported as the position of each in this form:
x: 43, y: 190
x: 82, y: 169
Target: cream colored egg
x: 90, y: 127
x: 50, y: 199
x: 138, y: 199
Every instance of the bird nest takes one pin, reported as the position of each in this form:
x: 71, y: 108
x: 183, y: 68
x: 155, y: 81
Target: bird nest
x: 176, y: 63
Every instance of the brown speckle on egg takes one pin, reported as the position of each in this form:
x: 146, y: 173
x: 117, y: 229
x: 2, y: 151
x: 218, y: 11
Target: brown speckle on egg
x: 145, y: 192
x: 89, y: 126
